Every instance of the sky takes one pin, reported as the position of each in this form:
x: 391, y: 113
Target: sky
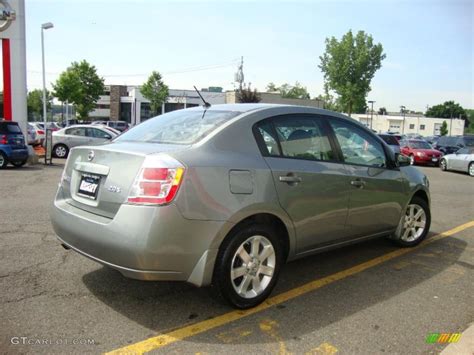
x: 429, y: 45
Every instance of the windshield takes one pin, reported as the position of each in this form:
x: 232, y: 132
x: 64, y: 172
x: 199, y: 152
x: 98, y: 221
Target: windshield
x: 419, y: 145
x: 469, y: 141
x: 178, y: 127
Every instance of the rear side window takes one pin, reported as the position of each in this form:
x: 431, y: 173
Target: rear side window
x: 297, y: 137
x: 76, y: 131
x: 9, y: 127
x: 179, y: 127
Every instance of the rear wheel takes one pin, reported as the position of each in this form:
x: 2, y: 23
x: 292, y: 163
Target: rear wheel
x: 248, y: 265
x: 3, y: 161
x: 19, y: 164
x: 61, y: 151
x: 470, y: 169
x: 443, y: 165
x: 415, y: 224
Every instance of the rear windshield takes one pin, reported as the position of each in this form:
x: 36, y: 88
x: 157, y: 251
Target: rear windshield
x: 178, y: 127
x: 390, y: 140
x: 9, y: 127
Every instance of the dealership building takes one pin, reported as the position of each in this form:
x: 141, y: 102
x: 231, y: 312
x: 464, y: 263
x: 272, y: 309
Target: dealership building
x: 126, y: 103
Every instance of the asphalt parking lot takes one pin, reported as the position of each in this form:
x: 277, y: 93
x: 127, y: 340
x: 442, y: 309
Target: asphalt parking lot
x: 363, y: 299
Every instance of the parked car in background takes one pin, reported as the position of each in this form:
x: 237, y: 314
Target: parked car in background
x: 413, y: 136
x: 32, y: 137
x: 121, y: 126
x: 39, y: 130
x: 420, y: 152
x: 450, y: 144
x: 462, y: 160
x: 178, y: 197
x: 431, y: 139
x: 13, y: 149
x: 392, y: 142
x: 69, y: 137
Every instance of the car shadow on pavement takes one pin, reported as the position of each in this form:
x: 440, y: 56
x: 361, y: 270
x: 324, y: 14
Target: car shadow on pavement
x: 163, y: 306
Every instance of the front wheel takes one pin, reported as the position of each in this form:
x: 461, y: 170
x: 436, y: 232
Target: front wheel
x: 415, y: 224
x: 3, y: 161
x: 470, y: 169
x: 412, y: 159
x: 443, y: 165
x: 247, y: 265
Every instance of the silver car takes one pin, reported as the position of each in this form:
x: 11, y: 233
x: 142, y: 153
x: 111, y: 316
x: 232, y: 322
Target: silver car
x: 224, y: 196
x: 462, y: 160
x: 73, y: 136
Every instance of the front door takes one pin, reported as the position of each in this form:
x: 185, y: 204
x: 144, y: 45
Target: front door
x: 311, y: 184
x: 377, y: 191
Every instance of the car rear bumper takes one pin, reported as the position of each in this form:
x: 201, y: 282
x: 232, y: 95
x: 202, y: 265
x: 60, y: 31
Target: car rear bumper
x: 146, y: 243
x: 15, y: 154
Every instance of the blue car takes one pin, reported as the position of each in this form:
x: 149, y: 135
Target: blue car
x: 12, y: 145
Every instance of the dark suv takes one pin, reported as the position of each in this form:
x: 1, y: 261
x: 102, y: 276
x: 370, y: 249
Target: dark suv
x: 12, y: 145
x: 449, y: 145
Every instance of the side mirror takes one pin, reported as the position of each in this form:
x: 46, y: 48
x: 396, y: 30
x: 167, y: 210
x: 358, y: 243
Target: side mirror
x: 402, y: 160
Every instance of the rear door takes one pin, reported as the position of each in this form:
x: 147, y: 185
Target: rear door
x: 76, y: 136
x: 311, y: 184
x: 377, y: 192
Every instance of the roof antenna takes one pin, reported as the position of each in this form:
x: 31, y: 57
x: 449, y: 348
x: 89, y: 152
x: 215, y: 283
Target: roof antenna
x: 206, y: 104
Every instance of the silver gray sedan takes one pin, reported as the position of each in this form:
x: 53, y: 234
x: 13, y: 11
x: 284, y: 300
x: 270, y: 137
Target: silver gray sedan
x: 73, y: 136
x: 462, y: 160
x: 224, y: 196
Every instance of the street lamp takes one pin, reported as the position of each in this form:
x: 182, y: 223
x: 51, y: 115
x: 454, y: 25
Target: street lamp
x: 402, y: 108
x: 371, y: 112
x: 44, y: 26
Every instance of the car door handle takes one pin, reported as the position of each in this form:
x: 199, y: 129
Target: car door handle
x: 290, y: 179
x: 358, y: 183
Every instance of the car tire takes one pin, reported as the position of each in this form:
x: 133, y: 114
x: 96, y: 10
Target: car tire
x: 413, y: 228
x: 19, y: 164
x: 3, y: 161
x: 412, y: 159
x: 470, y: 169
x: 443, y: 165
x: 247, y: 283
x: 60, y: 151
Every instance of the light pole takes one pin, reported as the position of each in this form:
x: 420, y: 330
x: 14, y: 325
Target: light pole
x: 371, y: 112
x: 44, y: 26
x: 402, y: 108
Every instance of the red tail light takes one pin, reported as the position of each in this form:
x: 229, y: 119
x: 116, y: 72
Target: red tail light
x: 157, y: 182
x: 3, y: 139
x: 40, y: 131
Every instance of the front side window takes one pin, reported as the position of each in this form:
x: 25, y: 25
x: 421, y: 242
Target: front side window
x: 97, y: 133
x: 358, y: 147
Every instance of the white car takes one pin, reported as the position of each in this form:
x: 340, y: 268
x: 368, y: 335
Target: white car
x: 462, y: 160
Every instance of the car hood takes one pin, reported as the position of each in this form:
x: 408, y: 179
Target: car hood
x: 426, y: 151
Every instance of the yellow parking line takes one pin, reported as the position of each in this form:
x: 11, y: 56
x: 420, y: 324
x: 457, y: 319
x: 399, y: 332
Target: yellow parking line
x: 162, y: 340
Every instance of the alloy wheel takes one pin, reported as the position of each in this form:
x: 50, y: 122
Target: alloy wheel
x: 253, y: 266
x: 471, y: 169
x: 414, y: 223
x: 412, y: 159
x: 442, y: 164
x: 60, y: 151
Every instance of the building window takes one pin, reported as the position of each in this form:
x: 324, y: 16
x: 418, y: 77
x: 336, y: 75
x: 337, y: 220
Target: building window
x: 422, y: 127
x: 102, y: 106
x: 126, y: 112
x: 145, y: 111
x: 412, y: 126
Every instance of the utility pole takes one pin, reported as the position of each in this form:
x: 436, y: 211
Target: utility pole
x: 239, y: 75
x: 402, y: 108
x: 371, y: 112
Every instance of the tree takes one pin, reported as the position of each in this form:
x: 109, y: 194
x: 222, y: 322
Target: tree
x: 155, y: 90
x: 382, y: 111
x: 34, y: 102
x: 81, y: 86
x: 288, y: 91
x: 444, y: 129
x: 449, y: 109
x: 247, y: 95
x: 349, y: 66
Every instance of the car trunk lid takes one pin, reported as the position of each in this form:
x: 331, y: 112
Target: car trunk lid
x: 98, y: 178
